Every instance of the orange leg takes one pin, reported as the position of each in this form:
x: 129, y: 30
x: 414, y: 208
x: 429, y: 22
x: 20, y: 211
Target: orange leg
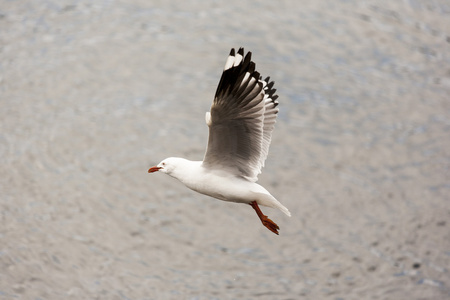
x: 264, y: 219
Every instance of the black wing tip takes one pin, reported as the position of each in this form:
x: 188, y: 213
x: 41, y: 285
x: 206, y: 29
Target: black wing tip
x: 240, y: 51
x: 250, y: 69
x: 245, y: 62
x: 270, y: 91
x: 233, y: 74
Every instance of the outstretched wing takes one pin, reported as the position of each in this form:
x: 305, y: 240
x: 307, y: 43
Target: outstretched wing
x: 242, y: 118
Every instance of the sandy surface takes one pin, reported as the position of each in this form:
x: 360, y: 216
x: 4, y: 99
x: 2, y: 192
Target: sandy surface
x: 92, y: 95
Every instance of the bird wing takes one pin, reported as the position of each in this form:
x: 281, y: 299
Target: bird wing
x: 242, y: 118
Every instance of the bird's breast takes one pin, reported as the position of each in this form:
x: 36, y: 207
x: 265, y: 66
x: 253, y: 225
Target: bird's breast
x: 219, y: 185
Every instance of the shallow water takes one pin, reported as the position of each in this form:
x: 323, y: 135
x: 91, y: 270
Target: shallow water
x: 94, y: 94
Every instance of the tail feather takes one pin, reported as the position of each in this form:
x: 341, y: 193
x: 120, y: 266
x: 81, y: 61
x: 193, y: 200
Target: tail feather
x: 284, y: 209
x: 269, y: 201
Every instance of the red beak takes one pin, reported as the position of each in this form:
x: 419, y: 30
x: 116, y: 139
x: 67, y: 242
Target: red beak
x: 154, y: 169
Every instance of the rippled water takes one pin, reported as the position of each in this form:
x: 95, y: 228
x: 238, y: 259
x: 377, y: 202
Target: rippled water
x: 93, y: 94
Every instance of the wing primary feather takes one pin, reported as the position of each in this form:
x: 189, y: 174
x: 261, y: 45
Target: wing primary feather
x: 242, y: 118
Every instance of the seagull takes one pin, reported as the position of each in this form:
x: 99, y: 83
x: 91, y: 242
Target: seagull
x: 241, y: 121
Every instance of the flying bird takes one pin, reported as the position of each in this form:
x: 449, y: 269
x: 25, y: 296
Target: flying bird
x: 241, y: 121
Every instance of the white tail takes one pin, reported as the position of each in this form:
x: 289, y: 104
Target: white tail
x: 269, y: 201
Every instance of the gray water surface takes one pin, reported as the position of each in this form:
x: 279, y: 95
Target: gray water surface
x: 94, y: 93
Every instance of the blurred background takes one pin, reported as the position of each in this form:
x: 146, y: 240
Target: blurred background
x: 93, y: 93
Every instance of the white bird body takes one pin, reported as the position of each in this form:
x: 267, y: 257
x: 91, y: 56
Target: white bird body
x: 241, y: 121
x: 216, y: 183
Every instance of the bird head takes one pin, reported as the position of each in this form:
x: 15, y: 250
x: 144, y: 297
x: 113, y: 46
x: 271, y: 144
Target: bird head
x: 165, y: 166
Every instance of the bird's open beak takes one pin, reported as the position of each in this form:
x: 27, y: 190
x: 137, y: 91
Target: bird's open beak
x: 154, y: 169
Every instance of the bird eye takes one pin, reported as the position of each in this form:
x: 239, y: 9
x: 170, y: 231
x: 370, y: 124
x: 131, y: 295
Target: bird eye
x: 163, y: 163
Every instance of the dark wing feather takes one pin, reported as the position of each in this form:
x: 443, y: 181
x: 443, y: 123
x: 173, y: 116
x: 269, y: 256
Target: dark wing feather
x: 242, y: 118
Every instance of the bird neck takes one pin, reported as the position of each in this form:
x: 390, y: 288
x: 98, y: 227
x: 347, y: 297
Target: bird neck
x: 185, y: 169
